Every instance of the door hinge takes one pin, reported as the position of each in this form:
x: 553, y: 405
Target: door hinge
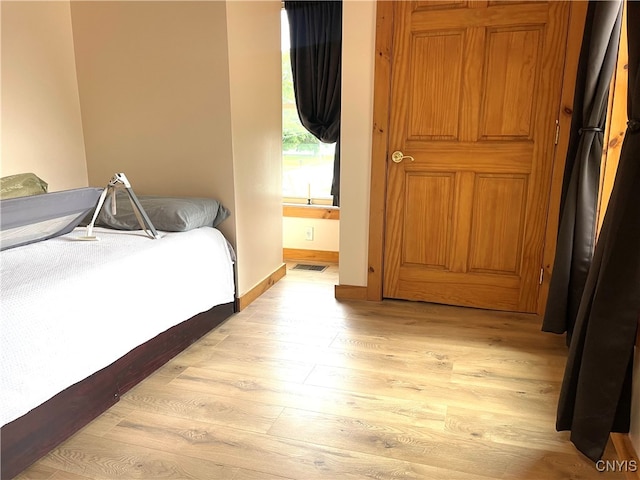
x: 555, y: 142
x: 541, y: 276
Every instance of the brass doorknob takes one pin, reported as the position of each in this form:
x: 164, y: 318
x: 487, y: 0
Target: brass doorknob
x: 398, y: 156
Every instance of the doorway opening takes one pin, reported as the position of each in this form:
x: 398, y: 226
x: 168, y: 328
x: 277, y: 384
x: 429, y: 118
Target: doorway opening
x: 310, y: 223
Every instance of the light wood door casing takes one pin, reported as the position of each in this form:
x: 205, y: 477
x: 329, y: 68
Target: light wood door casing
x: 475, y: 95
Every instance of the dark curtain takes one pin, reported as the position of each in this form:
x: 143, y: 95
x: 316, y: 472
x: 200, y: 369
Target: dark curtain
x: 576, y: 234
x: 316, y: 61
x: 595, y: 398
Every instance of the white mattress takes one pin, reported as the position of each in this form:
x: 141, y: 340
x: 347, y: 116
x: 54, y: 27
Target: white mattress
x: 69, y: 308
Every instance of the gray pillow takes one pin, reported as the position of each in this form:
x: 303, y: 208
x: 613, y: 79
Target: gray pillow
x: 170, y: 214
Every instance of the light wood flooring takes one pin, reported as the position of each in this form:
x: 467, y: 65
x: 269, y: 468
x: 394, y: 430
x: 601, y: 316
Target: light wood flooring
x: 301, y: 386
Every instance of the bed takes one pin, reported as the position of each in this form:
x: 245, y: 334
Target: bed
x: 84, y: 321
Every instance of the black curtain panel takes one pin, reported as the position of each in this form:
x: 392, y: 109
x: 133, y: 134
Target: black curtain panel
x: 316, y: 61
x: 576, y: 234
x: 595, y: 398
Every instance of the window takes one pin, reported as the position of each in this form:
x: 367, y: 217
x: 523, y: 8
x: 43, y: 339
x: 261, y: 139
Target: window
x: 307, y: 163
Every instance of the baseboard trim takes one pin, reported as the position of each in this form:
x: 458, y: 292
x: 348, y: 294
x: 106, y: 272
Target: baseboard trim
x: 312, y: 255
x: 350, y: 292
x: 261, y: 287
x: 624, y: 449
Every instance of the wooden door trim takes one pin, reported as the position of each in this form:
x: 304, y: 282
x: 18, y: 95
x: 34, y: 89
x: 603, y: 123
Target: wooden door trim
x: 577, y: 16
x: 380, y: 142
x: 380, y: 139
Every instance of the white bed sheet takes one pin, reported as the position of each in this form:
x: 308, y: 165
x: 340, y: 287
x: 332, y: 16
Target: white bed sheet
x: 69, y: 308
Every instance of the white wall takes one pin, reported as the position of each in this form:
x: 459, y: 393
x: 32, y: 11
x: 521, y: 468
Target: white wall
x: 256, y: 121
x: 326, y: 234
x: 182, y: 98
x: 358, y: 54
x: 154, y: 89
x: 41, y: 124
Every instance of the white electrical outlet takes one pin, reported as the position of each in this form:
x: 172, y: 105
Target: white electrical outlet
x: 308, y: 233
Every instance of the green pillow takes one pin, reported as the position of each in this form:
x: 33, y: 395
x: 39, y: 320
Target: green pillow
x: 169, y: 214
x: 22, y: 185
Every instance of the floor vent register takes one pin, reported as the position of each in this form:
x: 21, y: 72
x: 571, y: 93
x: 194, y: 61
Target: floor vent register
x: 312, y: 268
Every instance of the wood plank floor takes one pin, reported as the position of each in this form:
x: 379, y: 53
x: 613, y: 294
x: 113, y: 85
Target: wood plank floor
x: 301, y: 386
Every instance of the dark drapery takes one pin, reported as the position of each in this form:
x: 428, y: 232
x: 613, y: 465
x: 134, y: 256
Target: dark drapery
x: 316, y: 62
x: 596, y: 391
x: 576, y: 234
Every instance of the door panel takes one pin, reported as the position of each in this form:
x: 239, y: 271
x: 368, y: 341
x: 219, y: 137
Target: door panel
x: 438, y: 63
x: 437, y: 4
x: 429, y: 208
x: 512, y: 61
x: 497, y: 222
x: 475, y: 94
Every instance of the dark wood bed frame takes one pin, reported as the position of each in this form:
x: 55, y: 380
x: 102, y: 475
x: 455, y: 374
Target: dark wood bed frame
x: 26, y: 439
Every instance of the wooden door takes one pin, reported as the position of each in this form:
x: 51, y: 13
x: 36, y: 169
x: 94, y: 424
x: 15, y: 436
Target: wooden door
x: 474, y: 102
